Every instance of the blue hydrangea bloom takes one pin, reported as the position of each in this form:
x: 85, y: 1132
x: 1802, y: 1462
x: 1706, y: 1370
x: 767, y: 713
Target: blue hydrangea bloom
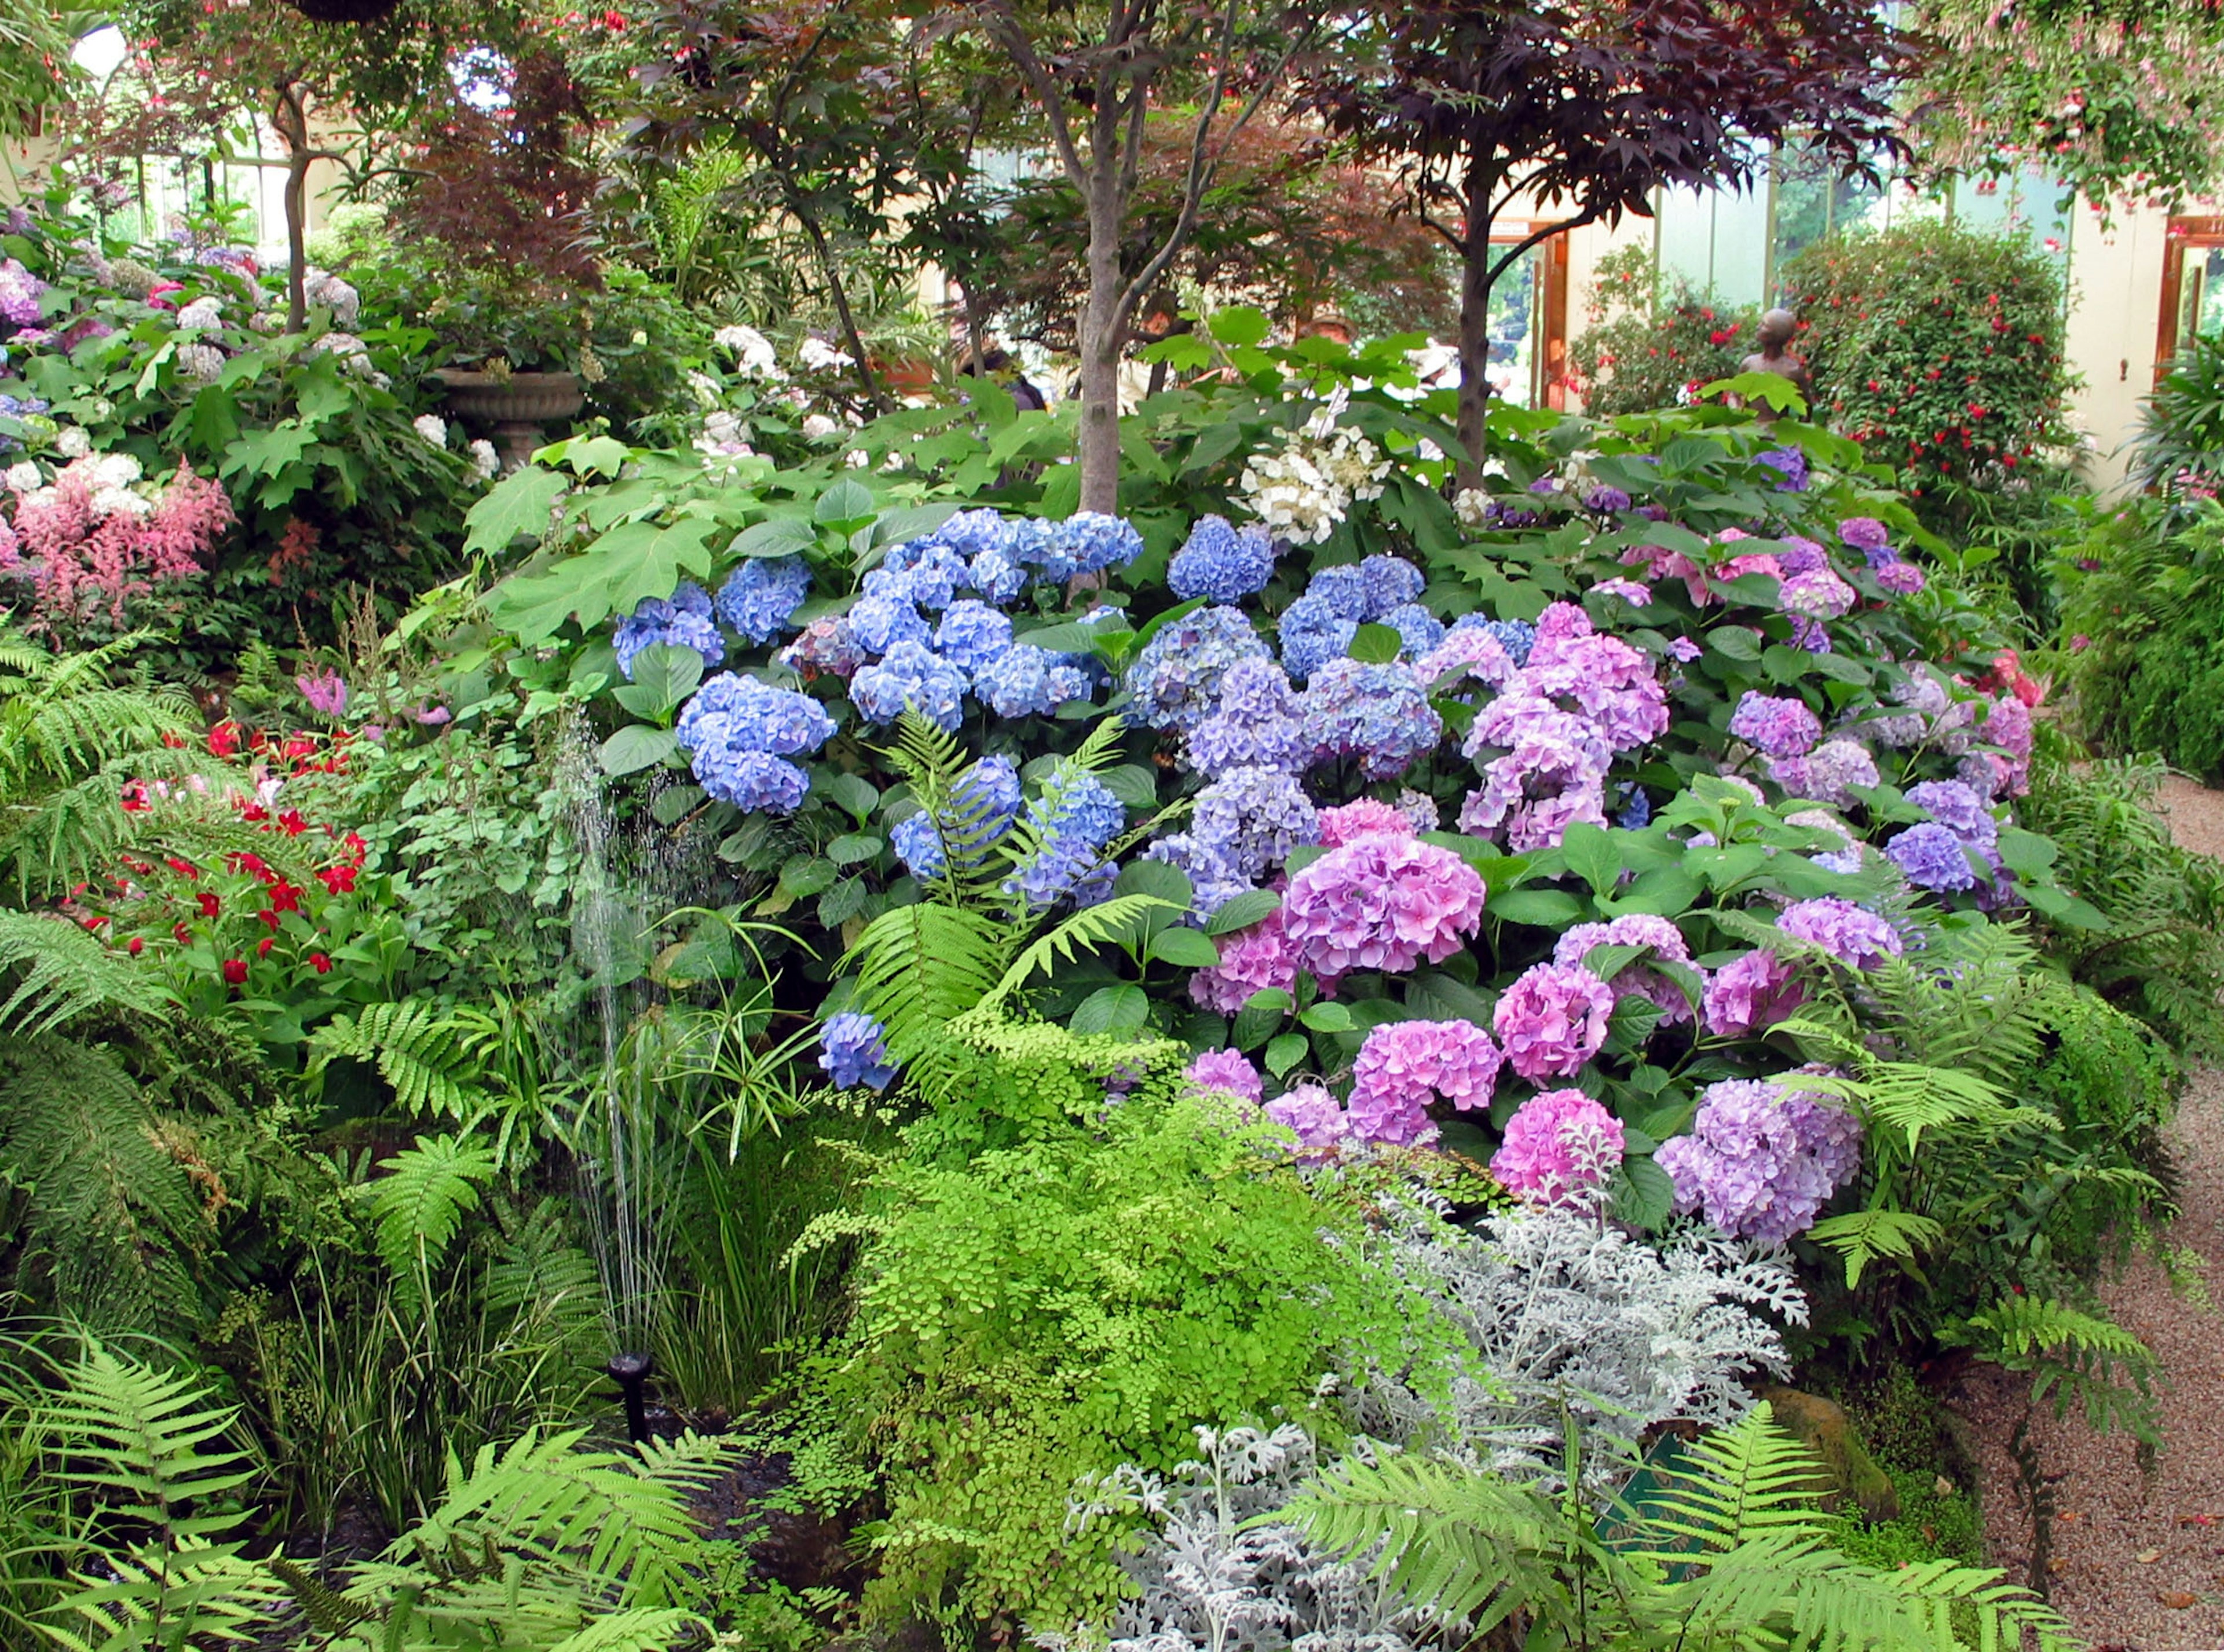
x: 1958, y: 808
x: 1419, y: 630
x: 1341, y: 590
x: 972, y: 633
x: 1931, y: 857
x: 1068, y: 683
x: 754, y: 781
x: 879, y: 623
x: 1312, y: 634
x: 971, y: 533
x: 986, y: 802
x: 853, y: 1048
x: 1093, y: 541
x: 1080, y: 808
x: 1516, y: 636
x: 743, y: 714
x: 1256, y: 725
x: 683, y: 621
x: 1075, y: 817
x: 1174, y: 681
x: 1027, y: 681
x: 1637, y: 814
x: 998, y: 577
x: 1221, y: 563
x: 760, y: 597
x: 1034, y: 543
x: 911, y: 675
x: 1378, y: 713
x: 1388, y: 582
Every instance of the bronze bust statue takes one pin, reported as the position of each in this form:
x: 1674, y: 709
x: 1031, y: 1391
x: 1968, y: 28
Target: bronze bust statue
x: 1778, y: 329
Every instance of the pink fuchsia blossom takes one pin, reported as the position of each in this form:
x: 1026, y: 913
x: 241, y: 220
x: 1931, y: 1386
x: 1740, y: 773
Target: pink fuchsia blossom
x: 1553, y: 1020
x: 1251, y: 960
x: 1751, y: 993
x: 1852, y: 935
x: 1404, y: 1065
x: 1228, y: 1070
x: 1561, y: 1147
x: 1379, y: 903
x: 1365, y: 817
x: 1313, y: 1111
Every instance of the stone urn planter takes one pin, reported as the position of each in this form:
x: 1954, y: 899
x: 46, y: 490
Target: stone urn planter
x: 517, y: 408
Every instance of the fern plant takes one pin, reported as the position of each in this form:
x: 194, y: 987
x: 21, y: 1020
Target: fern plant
x: 1732, y: 1554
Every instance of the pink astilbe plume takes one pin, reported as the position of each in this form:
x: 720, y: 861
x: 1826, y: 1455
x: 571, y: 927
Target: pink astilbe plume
x: 90, y: 549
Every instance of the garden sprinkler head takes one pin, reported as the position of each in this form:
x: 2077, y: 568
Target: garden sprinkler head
x: 631, y: 1373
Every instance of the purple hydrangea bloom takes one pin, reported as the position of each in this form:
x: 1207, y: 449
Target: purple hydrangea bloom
x: 1605, y: 501
x: 1256, y: 724
x: 19, y: 295
x: 1311, y: 1111
x: 1312, y: 633
x: 1850, y: 934
x: 1251, y: 960
x: 1404, y: 1065
x: 1634, y: 929
x: 1467, y: 652
x: 1931, y: 857
x: 1221, y: 563
x: 1958, y: 808
x: 1818, y: 594
x: 1553, y: 1020
x: 853, y: 1048
x: 683, y: 621
x: 761, y: 595
x: 1828, y: 773
x: 1752, y: 992
x: 1245, y: 824
x: 1419, y: 630
x: 1380, y: 904
x: 1017, y: 682
x: 1552, y: 772
x: 1775, y: 726
x: 1363, y: 817
x: 1790, y: 463
x: 1864, y: 534
x: 1761, y: 1161
x: 911, y: 676
x: 1378, y: 713
x: 1801, y: 555
x: 1901, y: 579
x: 1174, y: 681
x: 1561, y: 1147
x: 1228, y: 1070
x: 972, y: 633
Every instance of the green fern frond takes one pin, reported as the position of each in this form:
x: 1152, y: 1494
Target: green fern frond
x: 67, y: 972
x: 1736, y: 1483
x: 419, y: 1204
x: 1863, y: 1236
x: 1107, y: 921
x: 422, y: 1053
x: 633, y: 1632
x: 919, y: 967
x: 140, y: 1434
x: 329, y: 1612
x: 196, y: 1594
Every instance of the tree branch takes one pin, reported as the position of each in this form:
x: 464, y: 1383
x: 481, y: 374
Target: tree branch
x: 1005, y: 29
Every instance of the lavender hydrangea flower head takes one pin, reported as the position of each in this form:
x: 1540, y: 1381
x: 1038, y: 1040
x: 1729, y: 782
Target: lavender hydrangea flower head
x: 1751, y: 993
x: 1552, y: 771
x: 1228, y: 1071
x: 1761, y: 1161
x: 1818, y: 594
x: 1864, y: 534
x: 759, y: 598
x: 1561, y: 1147
x: 1516, y: 636
x: 1901, y: 579
x: 19, y: 295
x: 1257, y: 723
x: 1790, y: 463
x: 911, y: 676
x: 1958, y: 808
x: 1553, y: 1020
x: 1312, y: 1112
x: 1931, y: 857
x: 853, y: 1048
x: 1174, y: 681
x: 2008, y: 726
x: 1800, y: 555
x: 1245, y: 824
x: 1852, y: 935
x: 1312, y: 633
x: 683, y: 621
x: 923, y: 572
x: 1404, y: 1065
x: 1634, y: 929
x: 1420, y: 809
x: 1774, y: 725
x: 1251, y: 960
x: 1378, y: 713
x: 1467, y: 650
x: 1380, y: 904
x: 1221, y: 563
x: 1828, y: 773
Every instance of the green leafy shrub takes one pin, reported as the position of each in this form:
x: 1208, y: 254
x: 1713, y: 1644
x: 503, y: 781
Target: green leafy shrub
x: 2179, y: 449
x: 1641, y: 349
x: 1939, y: 348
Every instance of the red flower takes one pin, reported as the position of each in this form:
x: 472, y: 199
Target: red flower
x: 254, y: 813
x: 319, y: 963
x: 299, y: 746
x: 284, y: 897
x: 262, y: 947
x: 223, y: 739
x: 183, y: 934
x: 292, y: 823
x: 135, y: 946
x: 182, y: 867
x: 210, y: 905
x: 340, y: 880
x: 269, y: 917
x: 235, y: 971
x: 356, y: 848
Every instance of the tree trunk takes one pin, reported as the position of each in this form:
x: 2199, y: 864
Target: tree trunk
x: 1102, y: 327
x: 291, y: 120
x: 1475, y: 327
x: 830, y: 269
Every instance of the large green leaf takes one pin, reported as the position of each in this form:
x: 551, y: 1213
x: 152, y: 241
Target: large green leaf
x: 636, y: 746
x: 518, y: 505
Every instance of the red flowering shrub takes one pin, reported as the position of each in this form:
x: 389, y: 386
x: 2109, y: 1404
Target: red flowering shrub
x: 1635, y: 354
x: 1938, y: 349
x: 101, y: 552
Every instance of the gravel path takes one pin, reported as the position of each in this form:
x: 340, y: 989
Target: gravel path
x: 2138, y: 1558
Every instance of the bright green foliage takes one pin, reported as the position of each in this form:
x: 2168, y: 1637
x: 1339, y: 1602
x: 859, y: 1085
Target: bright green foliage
x: 420, y: 1204
x: 2180, y: 445
x: 1074, y: 1303
x: 66, y: 973
x: 420, y: 1051
x: 1732, y: 1554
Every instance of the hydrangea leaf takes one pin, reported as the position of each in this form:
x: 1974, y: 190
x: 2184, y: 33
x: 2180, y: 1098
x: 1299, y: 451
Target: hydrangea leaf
x: 1112, y: 1009
x: 1184, y: 948
x: 1284, y: 1051
x: 636, y: 746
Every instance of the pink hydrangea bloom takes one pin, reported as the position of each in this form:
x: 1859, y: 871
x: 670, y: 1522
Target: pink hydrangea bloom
x: 1472, y: 652
x: 1230, y: 1070
x: 2007, y: 725
x: 1381, y: 902
x: 1553, y: 1020
x: 1251, y: 960
x: 1634, y: 929
x: 1819, y: 594
x: 1750, y: 992
x: 1850, y: 934
x: 1559, y: 1147
x: 1313, y: 1111
x: 1348, y: 822
x: 1404, y: 1064
x: 1629, y: 590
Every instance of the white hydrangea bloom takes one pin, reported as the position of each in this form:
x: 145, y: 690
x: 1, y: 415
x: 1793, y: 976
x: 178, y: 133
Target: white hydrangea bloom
x: 818, y: 426
x: 24, y: 478
x: 116, y: 470
x: 108, y: 502
x: 753, y: 353
x: 75, y: 442
x: 200, y: 363
x: 354, y: 354
x: 201, y: 315
x: 822, y: 358
x: 856, y: 459
x: 485, y: 459
x: 433, y: 427
x: 706, y: 390
x: 1303, y: 490
x: 319, y: 287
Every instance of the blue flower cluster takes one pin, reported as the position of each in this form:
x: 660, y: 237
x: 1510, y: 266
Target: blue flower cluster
x: 1257, y: 722
x: 1935, y: 853
x: 683, y: 621
x: 1419, y: 630
x: 911, y: 675
x: 1245, y: 825
x: 1516, y: 636
x: 854, y: 1050
x: 739, y: 732
x: 1221, y: 563
x: 979, y: 813
x: 1318, y: 626
x: 759, y: 598
x: 1073, y: 818
x: 1378, y: 713
x: 1174, y: 681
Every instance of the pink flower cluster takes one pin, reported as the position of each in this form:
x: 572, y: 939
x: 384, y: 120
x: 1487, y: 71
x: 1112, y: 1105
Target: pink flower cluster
x: 1560, y: 1148
x: 2008, y: 727
x: 1752, y: 992
x: 1251, y: 960
x: 1379, y: 902
x: 1404, y: 1064
x: 89, y: 549
x: 1366, y: 817
x: 1634, y: 929
x: 1229, y: 1071
x: 1578, y: 700
x: 1553, y: 1020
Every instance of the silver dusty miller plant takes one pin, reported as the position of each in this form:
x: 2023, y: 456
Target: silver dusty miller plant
x: 1565, y: 1309
x: 1207, y: 1581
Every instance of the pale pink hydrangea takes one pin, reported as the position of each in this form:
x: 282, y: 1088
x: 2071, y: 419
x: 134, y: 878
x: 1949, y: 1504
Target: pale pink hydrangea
x: 1560, y: 1148
x: 1404, y: 1064
x: 1229, y: 1071
x: 1367, y: 816
x: 1752, y: 992
x: 1634, y: 929
x: 1311, y: 1111
x: 1553, y: 1020
x: 1470, y: 651
x: 1381, y: 902
x: 2008, y: 726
